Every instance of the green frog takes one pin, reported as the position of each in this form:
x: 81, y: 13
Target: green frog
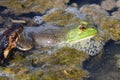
x: 48, y: 38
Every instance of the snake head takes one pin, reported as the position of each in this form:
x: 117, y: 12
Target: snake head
x: 9, y: 38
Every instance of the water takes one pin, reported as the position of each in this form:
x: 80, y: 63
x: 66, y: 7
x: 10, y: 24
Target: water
x: 103, y: 67
x: 29, y: 15
x: 82, y: 2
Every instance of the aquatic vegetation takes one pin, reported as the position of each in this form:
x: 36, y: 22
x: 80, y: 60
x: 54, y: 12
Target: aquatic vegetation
x: 60, y: 17
x: 95, y: 13
x: 108, y: 4
x: 112, y: 26
x: 76, y: 12
x: 66, y: 63
x: 118, y: 3
x: 116, y: 14
x: 118, y: 63
x: 93, y: 10
x: 26, y: 6
x: 109, y: 26
x: 117, y: 57
x: 64, y: 17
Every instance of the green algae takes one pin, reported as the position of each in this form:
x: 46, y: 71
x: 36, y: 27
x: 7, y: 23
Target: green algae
x: 112, y: 26
x: 117, y: 58
x: 25, y: 6
x: 61, y: 18
x: 65, y: 64
x: 4, y: 78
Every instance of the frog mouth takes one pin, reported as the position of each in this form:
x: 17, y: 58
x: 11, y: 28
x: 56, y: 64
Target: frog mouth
x: 73, y: 42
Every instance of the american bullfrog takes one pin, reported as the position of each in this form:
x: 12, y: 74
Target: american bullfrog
x: 48, y: 38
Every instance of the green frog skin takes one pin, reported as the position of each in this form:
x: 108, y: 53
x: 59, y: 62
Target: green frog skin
x: 48, y: 38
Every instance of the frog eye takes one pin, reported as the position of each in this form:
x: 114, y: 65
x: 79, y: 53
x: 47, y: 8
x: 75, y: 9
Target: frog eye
x: 82, y: 27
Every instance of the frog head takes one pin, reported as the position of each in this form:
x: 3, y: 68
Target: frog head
x: 82, y: 32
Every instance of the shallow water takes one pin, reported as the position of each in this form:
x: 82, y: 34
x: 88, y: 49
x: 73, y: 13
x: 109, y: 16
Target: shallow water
x: 103, y: 67
x: 82, y: 2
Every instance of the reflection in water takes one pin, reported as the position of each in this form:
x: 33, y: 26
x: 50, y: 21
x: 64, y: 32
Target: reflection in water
x: 103, y: 67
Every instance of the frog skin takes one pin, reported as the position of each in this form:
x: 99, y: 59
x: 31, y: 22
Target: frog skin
x: 8, y: 40
x: 48, y: 38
